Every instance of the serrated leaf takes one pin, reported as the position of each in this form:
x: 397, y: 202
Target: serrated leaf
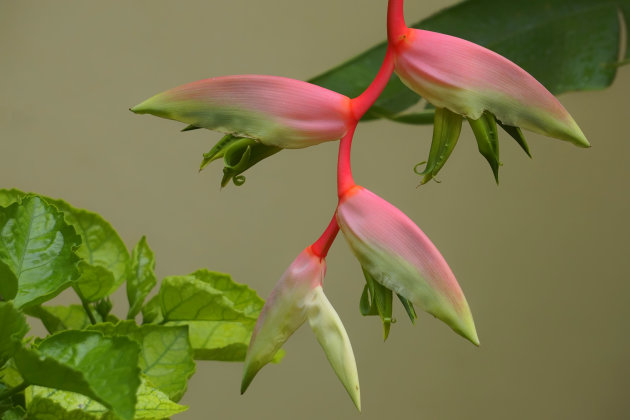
x: 60, y: 318
x: 102, y: 368
x: 95, y: 282
x: 13, y: 328
x: 581, y: 39
x: 101, y: 245
x: 152, y: 403
x: 446, y: 129
x: 41, y: 408
x: 166, y: 356
x: 243, y: 298
x: 184, y: 298
x: 37, y: 246
x: 141, y: 277
x: 485, y: 130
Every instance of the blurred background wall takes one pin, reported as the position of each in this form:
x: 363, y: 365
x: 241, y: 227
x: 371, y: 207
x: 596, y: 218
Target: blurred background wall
x: 543, y: 258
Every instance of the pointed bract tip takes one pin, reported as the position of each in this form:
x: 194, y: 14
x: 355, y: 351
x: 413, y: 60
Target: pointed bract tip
x: 248, y: 377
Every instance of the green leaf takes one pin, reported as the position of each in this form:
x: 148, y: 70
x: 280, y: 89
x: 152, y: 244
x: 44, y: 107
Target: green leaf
x: 581, y: 40
x: 14, y: 413
x: 166, y: 357
x: 13, y: 328
x: 37, y: 246
x: 446, y: 130
x: 95, y: 283
x: 485, y: 130
x: 243, y: 298
x: 152, y: 404
x: 141, y: 277
x: 60, y: 318
x: 101, y: 246
x: 184, y: 298
x: 152, y: 311
x: 102, y: 368
x: 41, y: 408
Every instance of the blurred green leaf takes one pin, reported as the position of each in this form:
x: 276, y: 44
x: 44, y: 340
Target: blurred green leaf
x: 60, y: 318
x: 14, y: 413
x: 193, y: 298
x: 13, y: 328
x: 152, y: 404
x: 166, y: 356
x: 243, y: 298
x: 141, y: 277
x: 102, y: 368
x: 37, y: 246
x: 568, y: 45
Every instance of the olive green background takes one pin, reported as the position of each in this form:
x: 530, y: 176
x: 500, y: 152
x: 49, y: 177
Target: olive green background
x: 543, y: 258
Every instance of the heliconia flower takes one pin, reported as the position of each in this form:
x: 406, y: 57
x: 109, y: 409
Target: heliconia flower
x: 469, y: 79
x: 297, y: 297
x: 397, y: 254
x: 276, y: 111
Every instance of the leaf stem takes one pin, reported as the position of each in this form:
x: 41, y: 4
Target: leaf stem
x: 85, y: 304
x: 11, y: 392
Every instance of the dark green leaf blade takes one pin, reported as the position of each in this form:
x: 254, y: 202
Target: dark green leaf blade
x: 152, y: 404
x: 141, y: 278
x: 13, y: 328
x: 184, y: 298
x: 37, y: 246
x: 86, y: 362
x: 60, y: 318
x: 166, y: 357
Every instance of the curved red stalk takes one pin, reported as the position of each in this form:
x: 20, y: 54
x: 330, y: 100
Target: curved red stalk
x: 321, y: 246
x: 396, y: 27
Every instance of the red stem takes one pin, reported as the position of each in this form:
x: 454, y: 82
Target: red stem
x: 396, y: 27
x: 364, y: 101
x: 344, y: 172
x: 321, y: 246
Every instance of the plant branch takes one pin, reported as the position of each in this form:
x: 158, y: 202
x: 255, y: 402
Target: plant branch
x: 11, y: 392
x: 86, y: 305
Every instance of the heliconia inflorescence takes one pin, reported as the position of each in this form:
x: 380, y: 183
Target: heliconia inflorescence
x: 263, y: 114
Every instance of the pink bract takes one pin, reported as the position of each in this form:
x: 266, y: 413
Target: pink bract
x: 277, y: 111
x: 397, y: 254
x: 469, y: 79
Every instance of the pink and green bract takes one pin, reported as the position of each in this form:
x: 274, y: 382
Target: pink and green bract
x: 276, y: 111
x: 397, y: 254
x: 469, y: 79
